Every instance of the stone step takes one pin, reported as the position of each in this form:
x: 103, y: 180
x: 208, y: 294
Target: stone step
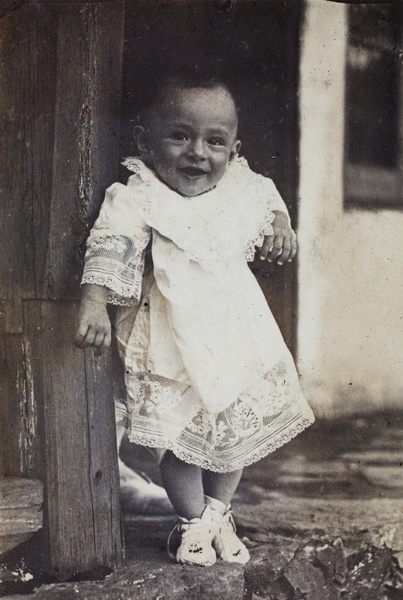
x: 317, y: 550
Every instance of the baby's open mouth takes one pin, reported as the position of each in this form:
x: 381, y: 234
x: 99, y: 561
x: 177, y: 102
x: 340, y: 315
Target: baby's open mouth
x: 193, y: 172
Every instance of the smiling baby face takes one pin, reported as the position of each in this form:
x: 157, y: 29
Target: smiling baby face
x: 190, y: 137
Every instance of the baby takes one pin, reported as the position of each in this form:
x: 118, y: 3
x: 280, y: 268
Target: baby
x: 211, y: 386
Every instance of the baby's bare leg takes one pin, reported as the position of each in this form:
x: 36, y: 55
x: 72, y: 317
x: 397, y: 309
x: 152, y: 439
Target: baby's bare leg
x: 184, y: 486
x: 221, y: 486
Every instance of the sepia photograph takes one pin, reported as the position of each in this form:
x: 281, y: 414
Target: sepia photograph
x: 201, y: 299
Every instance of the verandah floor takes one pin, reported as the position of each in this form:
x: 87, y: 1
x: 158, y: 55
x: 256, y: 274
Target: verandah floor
x: 322, y: 517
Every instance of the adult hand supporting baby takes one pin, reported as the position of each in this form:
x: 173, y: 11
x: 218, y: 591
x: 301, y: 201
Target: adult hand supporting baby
x: 282, y: 244
x: 94, y: 326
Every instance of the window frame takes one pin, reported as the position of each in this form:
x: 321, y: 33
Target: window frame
x: 371, y: 185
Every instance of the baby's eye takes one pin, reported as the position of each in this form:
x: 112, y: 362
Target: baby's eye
x: 179, y: 136
x: 215, y: 141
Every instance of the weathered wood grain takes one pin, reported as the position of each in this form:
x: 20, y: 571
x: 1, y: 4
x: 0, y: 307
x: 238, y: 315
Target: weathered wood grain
x: 60, y: 67
x: 19, y: 492
x: 19, y: 435
x: 103, y: 475
x: 27, y: 63
x: 16, y: 262
x: 86, y: 152
x: 82, y: 504
x: 27, y: 59
x: 20, y: 510
x: 13, y: 315
x: 11, y: 361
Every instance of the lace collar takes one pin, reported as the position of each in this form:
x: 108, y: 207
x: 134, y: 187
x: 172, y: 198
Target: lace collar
x: 214, y: 227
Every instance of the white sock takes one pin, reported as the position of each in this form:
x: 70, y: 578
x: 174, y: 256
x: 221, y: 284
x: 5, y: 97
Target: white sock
x: 218, y: 508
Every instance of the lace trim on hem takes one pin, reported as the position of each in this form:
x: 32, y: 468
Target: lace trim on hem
x: 220, y: 467
x: 118, y: 294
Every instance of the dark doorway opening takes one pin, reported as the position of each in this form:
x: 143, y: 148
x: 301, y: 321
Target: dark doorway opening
x: 254, y: 45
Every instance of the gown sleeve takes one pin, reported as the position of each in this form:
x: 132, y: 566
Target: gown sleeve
x: 274, y: 199
x: 267, y: 199
x: 116, y: 247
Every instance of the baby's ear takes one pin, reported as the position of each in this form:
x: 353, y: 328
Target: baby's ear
x: 235, y: 150
x: 141, y: 139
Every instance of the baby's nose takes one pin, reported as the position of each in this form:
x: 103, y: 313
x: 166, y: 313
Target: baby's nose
x: 197, y: 149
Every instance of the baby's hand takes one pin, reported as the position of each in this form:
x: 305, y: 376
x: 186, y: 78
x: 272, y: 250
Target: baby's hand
x: 282, y: 245
x: 94, y: 326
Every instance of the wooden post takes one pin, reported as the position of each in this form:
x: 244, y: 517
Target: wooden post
x: 60, y: 101
x: 82, y: 510
x: 80, y: 448
x: 86, y: 138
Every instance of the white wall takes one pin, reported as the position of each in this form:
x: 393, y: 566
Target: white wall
x: 350, y: 311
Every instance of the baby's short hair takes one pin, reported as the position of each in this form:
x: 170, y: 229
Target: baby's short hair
x: 157, y: 90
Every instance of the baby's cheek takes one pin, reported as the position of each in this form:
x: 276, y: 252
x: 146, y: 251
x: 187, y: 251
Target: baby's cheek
x: 221, y: 166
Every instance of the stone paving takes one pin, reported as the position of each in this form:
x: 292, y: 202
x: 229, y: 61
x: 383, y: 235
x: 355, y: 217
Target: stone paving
x: 323, y: 518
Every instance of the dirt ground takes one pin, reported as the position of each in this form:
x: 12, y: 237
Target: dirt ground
x: 323, y: 518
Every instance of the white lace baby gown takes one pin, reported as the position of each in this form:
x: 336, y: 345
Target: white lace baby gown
x: 208, y: 374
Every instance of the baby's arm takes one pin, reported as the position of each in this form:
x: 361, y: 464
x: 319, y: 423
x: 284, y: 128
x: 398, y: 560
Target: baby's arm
x: 115, y: 253
x: 282, y: 244
x: 94, y: 326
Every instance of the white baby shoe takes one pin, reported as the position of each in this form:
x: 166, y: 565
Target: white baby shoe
x: 227, y: 544
x: 196, y: 541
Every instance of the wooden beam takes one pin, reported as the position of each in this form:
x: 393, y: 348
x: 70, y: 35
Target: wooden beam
x: 82, y: 509
x: 20, y: 510
x: 82, y: 486
x: 59, y: 101
x: 19, y: 432
x: 17, y: 107
x: 86, y: 149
